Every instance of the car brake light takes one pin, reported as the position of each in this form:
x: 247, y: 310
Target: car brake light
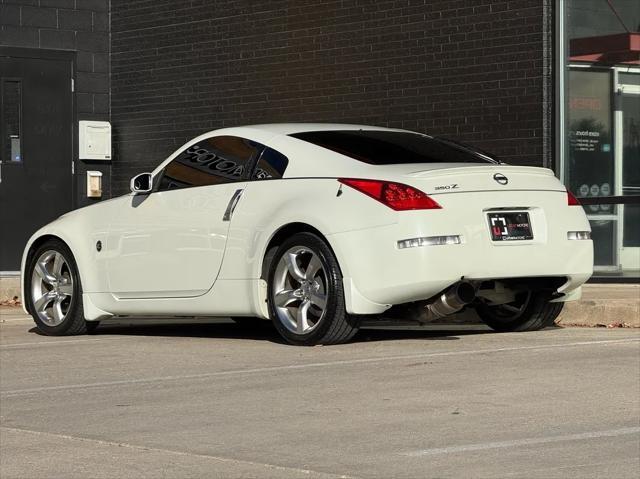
x: 396, y: 196
x: 572, y: 200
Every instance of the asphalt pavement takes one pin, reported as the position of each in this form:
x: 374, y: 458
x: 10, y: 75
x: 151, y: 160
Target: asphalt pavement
x: 222, y: 400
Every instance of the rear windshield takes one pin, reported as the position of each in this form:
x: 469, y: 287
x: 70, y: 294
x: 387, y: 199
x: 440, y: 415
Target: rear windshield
x: 392, y: 147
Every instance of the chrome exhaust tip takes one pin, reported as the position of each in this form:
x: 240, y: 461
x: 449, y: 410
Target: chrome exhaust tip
x: 451, y: 301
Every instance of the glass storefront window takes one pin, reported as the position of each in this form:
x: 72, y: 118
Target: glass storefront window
x: 590, y: 165
x: 592, y: 18
x: 603, y: 233
x: 600, y: 160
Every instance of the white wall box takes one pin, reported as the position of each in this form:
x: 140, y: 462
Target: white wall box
x: 94, y: 140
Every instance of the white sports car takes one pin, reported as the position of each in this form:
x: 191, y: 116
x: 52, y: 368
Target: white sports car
x: 317, y: 227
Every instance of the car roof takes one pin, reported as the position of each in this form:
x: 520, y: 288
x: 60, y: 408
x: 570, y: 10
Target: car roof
x: 292, y: 128
x: 269, y: 133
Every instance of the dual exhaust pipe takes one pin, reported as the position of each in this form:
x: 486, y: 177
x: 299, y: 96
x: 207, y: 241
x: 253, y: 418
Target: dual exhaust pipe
x: 449, y: 302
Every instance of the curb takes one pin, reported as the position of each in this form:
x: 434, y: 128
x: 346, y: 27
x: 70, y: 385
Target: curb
x: 9, y: 287
x: 610, y: 305
x: 597, y: 315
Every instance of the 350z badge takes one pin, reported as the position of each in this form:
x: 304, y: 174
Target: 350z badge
x: 453, y: 186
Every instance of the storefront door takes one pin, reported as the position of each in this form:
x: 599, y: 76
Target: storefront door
x: 628, y: 171
x: 603, y: 161
x: 590, y: 169
x: 599, y: 126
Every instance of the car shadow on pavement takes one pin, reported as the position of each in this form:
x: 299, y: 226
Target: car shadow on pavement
x: 264, y: 331
x: 372, y: 335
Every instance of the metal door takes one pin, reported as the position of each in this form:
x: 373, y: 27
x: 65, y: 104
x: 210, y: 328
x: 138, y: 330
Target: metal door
x: 35, y: 149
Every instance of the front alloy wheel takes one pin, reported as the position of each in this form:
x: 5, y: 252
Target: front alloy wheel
x: 306, y: 298
x: 51, y: 288
x: 53, y: 291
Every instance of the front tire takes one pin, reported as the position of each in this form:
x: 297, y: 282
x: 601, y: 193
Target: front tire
x: 531, y: 311
x: 305, y: 293
x: 54, y: 292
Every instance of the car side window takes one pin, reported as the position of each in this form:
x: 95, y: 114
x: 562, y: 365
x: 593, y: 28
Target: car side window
x: 271, y: 165
x: 213, y: 161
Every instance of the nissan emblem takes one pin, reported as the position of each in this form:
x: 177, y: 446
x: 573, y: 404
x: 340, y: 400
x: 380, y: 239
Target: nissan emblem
x: 500, y: 178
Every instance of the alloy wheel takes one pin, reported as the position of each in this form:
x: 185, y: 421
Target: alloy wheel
x: 300, y: 290
x: 51, y: 287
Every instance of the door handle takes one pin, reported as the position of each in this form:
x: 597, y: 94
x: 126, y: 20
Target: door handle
x: 233, y: 202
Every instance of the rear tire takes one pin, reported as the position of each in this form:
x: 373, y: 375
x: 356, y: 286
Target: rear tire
x: 53, y: 291
x: 531, y: 311
x: 305, y: 293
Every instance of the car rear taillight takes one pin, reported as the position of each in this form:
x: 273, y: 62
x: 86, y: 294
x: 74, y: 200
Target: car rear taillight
x: 396, y: 196
x: 572, y: 200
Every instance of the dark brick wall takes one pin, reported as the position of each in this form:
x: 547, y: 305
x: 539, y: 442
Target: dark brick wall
x: 81, y: 26
x: 473, y: 70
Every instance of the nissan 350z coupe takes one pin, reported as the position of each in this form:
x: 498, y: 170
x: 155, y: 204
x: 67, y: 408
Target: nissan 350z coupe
x: 316, y: 227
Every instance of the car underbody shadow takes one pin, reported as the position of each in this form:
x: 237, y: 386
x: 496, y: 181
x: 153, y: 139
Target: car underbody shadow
x: 223, y: 329
x: 264, y: 331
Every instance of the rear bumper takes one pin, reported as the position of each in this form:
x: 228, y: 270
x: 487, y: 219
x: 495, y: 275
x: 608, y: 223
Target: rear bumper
x: 386, y: 275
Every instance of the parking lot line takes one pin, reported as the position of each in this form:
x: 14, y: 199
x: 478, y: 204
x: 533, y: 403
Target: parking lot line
x: 174, y: 452
x: 523, y: 442
x: 293, y: 367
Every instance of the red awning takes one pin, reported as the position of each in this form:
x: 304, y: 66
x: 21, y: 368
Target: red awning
x: 609, y: 49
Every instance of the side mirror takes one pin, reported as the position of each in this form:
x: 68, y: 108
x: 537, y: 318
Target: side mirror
x: 141, y: 184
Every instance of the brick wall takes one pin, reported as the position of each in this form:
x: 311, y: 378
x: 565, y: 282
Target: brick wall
x: 81, y: 26
x: 473, y: 70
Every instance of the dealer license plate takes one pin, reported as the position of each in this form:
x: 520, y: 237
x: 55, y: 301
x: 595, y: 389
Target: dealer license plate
x: 513, y: 226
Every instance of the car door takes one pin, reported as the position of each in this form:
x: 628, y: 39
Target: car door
x: 171, y: 242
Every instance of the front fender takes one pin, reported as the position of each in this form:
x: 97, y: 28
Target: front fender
x: 79, y: 230
x: 56, y: 230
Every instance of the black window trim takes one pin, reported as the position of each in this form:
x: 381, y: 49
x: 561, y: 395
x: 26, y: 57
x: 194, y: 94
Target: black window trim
x: 246, y: 176
x: 255, y: 166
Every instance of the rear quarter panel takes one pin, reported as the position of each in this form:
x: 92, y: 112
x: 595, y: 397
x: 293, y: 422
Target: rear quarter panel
x: 323, y: 203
